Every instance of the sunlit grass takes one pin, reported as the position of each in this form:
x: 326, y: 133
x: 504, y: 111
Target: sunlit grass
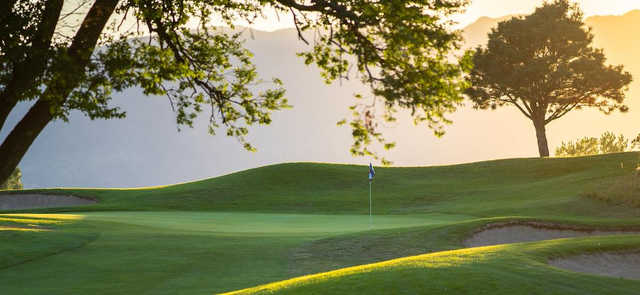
x: 436, y: 260
x: 40, y: 219
x: 30, y: 221
x: 35, y: 222
x: 17, y: 228
x: 519, y: 268
x: 46, y: 216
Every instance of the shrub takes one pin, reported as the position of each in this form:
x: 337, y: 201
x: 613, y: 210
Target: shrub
x: 607, y: 143
x: 14, y: 181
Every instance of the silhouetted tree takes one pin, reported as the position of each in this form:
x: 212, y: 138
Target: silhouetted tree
x: 545, y: 65
x: 400, y: 49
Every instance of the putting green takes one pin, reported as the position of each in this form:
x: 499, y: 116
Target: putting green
x: 176, y: 252
x: 276, y: 224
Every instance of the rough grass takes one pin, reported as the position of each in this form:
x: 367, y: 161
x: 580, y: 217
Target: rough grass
x: 623, y: 190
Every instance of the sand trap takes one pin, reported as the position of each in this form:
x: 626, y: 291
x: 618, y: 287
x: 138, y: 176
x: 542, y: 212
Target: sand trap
x: 32, y: 201
x: 619, y: 265
x: 506, y: 233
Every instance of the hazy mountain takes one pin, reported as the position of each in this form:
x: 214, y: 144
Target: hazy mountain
x: 146, y: 149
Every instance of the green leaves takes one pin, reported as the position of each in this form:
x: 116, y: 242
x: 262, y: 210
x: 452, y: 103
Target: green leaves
x: 607, y: 143
x: 210, y: 72
x: 403, y: 50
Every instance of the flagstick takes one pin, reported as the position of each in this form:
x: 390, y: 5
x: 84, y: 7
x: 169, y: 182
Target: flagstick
x: 370, y: 215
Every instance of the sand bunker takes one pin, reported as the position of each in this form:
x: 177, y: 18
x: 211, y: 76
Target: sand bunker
x: 32, y: 201
x: 506, y: 233
x: 619, y: 265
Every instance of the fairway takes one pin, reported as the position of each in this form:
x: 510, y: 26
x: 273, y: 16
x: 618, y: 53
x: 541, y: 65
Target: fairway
x: 314, y: 236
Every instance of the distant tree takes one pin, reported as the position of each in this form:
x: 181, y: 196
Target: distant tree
x: 400, y: 49
x: 544, y: 64
x: 610, y: 143
x: 607, y: 143
x: 581, y: 147
x: 14, y: 181
x: 636, y: 142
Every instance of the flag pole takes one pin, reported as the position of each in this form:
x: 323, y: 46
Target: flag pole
x: 370, y: 206
x: 372, y: 173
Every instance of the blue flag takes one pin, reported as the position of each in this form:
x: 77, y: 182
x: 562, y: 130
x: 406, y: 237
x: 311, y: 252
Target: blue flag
x: 372, y: 172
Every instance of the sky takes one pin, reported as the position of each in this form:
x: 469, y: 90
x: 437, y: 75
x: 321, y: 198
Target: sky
x: 480, y: 8
x: 477, y: 8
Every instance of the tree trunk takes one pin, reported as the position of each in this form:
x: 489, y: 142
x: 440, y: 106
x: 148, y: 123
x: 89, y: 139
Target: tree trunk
x: 541, y: 135
x: 5, y: 108
x: 22, y: 136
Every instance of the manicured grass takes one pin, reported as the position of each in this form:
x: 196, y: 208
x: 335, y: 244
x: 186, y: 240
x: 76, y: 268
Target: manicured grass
x: 183, y: 252
x: 269, y: 223
x: 282, y: 221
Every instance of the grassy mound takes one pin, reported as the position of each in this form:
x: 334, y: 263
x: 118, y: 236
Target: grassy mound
x: 504, y: 269
x: 496, y: 188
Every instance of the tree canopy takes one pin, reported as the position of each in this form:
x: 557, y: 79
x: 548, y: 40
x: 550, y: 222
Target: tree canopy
x: 401, y: 49
x: 544, y: 65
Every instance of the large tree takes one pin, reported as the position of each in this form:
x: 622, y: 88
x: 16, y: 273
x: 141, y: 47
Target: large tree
x: 401, y: 49
x: 544, y: 64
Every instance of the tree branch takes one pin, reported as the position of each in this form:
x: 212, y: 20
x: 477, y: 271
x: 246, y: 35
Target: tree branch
x: 28, y: 70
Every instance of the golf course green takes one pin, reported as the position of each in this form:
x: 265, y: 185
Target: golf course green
x: 304, y: 228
